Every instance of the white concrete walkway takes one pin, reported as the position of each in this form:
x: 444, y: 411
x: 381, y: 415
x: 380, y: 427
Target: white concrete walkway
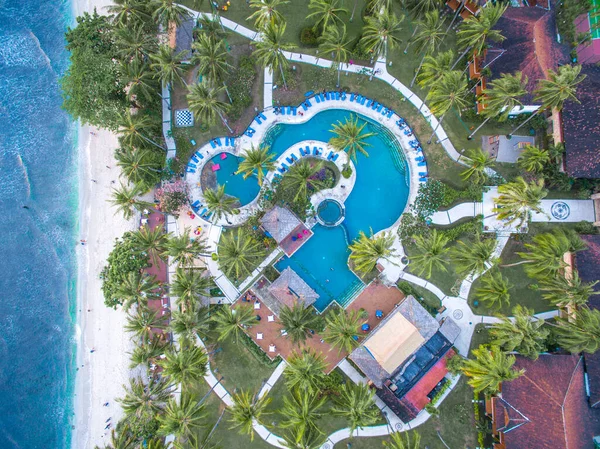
x: 458, y: 212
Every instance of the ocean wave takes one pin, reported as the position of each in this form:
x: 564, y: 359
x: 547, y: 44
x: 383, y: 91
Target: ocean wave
x: 22, y: 48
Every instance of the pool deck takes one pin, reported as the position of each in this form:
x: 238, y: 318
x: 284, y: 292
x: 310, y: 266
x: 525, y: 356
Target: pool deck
x: 374, y: 297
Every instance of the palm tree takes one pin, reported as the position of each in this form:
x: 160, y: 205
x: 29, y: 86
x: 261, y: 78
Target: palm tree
x: 190, y: 285
x: 211, y: 27
x: 560, y: 86
x: 449, y: 92
x: 326, y: 12
x: 334, y: 41
x: 246, y: 409
x: 238, y: 253
x: 266, y: 13
x: 356, y: 403
x: 428, y: 38
x: 132, y: 128
x: 123, y: 439
x: 137, y: 288
x: 434, y: 67
x: 518, y: 199
x: 349, y: 137
x: 138, y: 167
x: 211, y: 57
x: 501, y: 97
x: 533, y: 159
x: 581, y: 333
x: 145, y: 398
x: 302, y: 178
x: 479, y: 162
x: 151, y: 241
x: 302, y: 410
x: 125, y: 199
x: 257, y: 161
x: 140, y: 81
x: 567, y: 291
x: 168, y: 66
x: 398, y: 441
x: 134, y: 43
x: 298, y: 321
x: 184, y: 249
x: 381, y: 33
x: 143, y: 322
x: 191, y: 323
x: 546, y: 254
x: 489, y: 369
x: 342, y: 329
x: 494, y: 290
x: 305, y: 370
x: 230, y: 321
x: 127, y: 11
x: 168, y: 13
x: 269, y: 50
x: 303, y: 439
x: 146, y: 352
x: 219, y: 203
x: 366, y: 251
x: 430, y: 254
x: 524, y: 333
x: 476, y: 31
x: 185, y: 366
x: 182, y: 419
x: 205, y: 104
x: 471, y: 257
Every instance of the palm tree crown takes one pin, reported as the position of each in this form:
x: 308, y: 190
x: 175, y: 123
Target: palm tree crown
x: 366, y: 251
x: 524, y: 333
x: 489, y: 369
x: 184, y: 249
x: 518, y: 199
x: 342, y: 329
x: 257, y: 161
x: 185, y: 366
x: 349, y: 137
x: 430, y: 254
x: 327, y: 12
x: 266, y: 12
x: 381, y: 33
x: 205, y: 104
x: 219, y: 203
x: 189, y: 285
x: 356, y: 403
x: 476, y: 31
x: 472, y: 256
x: 168, y: 66
x: 533, y: 159
x: 211, y: 57
x: 230, y: 321
x: 238, y: 253
x: 269, y: 50
x: 567, y: 291
x: 479, y: 162
x: 494, y: 289
x: 560, y: 86
x: 305, y: 370
x: 302, y: 178
x: 246, y: 409
x: 582, y: 333
x: 298, y: 321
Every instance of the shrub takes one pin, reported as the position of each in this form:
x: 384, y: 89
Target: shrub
x: 407, y: 288
x: 332, y: 383
x: 257, y: 352
x: 216, y: 292
x: 271, y: 273
x: 471, y: 226
x: 173, y: 197
x: 347, y: 171
x: 240, y: 85
x: 412, y: 225
x: 308, y: 37
x: 585, y: 227
x: 125, y: 258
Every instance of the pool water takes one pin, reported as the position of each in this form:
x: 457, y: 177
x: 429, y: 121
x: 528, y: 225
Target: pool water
x: 235, y: 185
x: 330, y: 212
x: 375, y: 203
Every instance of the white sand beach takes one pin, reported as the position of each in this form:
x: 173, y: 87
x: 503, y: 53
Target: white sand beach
x: 101, y: 374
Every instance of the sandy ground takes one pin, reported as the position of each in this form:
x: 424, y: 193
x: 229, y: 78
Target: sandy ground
x: 102, y: 373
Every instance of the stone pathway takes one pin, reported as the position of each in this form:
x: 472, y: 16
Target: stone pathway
x: 458, y: 212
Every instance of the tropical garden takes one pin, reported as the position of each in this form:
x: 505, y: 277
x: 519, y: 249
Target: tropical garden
x: 121, y: 67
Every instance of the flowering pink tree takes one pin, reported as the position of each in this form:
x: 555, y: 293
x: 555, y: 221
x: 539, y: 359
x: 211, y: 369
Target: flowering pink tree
x: 173, y: 197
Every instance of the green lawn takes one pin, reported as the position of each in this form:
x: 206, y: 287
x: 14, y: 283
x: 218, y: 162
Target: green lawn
x: 239, y: 367
x: 521, y: 293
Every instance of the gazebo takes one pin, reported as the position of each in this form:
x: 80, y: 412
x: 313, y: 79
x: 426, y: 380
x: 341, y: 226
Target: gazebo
x: 287, y: 229
x: 289, y: 288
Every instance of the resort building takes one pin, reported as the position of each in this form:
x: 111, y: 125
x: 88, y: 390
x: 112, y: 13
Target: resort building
x: 287, y: 290
x: 183, y: 38
x: 581, y: 127
x: 405, y: 357
x: 546, y: 408
x: 289, y: 231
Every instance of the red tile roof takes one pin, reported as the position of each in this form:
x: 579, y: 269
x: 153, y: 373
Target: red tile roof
x: 547, y: 407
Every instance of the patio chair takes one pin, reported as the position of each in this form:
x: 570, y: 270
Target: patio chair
x: 259, y: 336
x: 271, y: 318
x: 256, y: 305
x: 272, y: 348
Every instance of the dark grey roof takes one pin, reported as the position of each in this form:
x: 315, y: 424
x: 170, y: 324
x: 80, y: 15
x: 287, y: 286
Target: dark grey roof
x: 185, y: 37
x: 279, y: 222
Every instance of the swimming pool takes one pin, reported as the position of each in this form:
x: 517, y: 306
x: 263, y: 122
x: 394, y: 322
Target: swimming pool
x: 375, y: 203
x: 235, y: 185
x: 330, y: 212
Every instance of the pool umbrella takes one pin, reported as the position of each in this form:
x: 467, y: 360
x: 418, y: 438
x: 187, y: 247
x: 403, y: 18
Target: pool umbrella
x: 365, y: 327
x: 379, y: 313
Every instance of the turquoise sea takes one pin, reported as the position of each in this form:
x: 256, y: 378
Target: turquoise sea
x: 38, y: 227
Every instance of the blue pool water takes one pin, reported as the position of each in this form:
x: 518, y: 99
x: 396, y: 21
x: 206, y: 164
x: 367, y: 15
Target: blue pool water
x: 329, y: 211
x: 37, y: 169
x: 375, y: 203
x: 235, y: 185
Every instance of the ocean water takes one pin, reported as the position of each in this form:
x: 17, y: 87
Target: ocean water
x: 38, y: 169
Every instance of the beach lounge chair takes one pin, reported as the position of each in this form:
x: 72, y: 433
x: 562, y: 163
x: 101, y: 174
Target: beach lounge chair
x: 262, y: 116
x: 191, y: 165
x: 420, y: 158
x: 304, y: 107
x: 422, y: 179
x: 390, y: 113
x: 422, y: 164
x: 195, y: 159
x: 307, y: 150
x: 308, y: 103
x: 199, y: 155
x: 203, y: 211
x: 352, y: 96
x: 294, y: 110
x: 369, y: 103
x: 423, y: 174
x: 291, y: 159
x: 208, y: 215
x: 257, y: 120
x: 379, y: 108
x: 337, y: 96
x: 318, y: 98
x: 218, y: 139
x: 232, y: 141
x: 212, y: 144
x: 363, y: 99
x: 190, y: 170
x: 196, y: 203
x: 343, y: 96
x: 289, y: 110
x: 284, y: 167
x: 316, y: 152
x: 192, y: 141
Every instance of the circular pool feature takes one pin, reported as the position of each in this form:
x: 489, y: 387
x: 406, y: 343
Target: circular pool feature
x: 330, y: 212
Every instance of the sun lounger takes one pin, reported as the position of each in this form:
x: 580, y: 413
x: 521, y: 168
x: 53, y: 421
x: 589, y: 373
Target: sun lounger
x: 337, y: 95
x: 294, y: 110
x: 262, y: 116
x: 422, y: 164
x: 343, y: 96
x: 332, y: 156
x: 369, y: 103
x: 212, y: 144
x: 191, y: 165
x: 308, y: 103
x: 281, y: 170
x: 318, y: 98
x: 232, y: 141
x: 218, y: 139
x: 195, y: 159
x: 190, y: 170
x: 390, y: 113
x: 208, y: 215
x: 304, y: 107
x: 257, y: 120
x: 352, y: 96
x: 199, y: 155
x: 192, y: 141
x: 307, y: 150
x: 422, y: 179
x: 420, y: 158
x: 423, y: 174
x: 363, y: 99
x: 203, y: 211
x: 316, y: 152
x: 291, y: 159
x: 310, y: 93
x: 379, y: 108
x: 196, y: 203
x: 284, y: 167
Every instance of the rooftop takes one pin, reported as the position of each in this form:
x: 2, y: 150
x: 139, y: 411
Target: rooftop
x: 184, y: 37
x: 530, y: 45
x: 547, y: 407
x: 290, y: 288
x: 581, y: 126
x: 279, y: 222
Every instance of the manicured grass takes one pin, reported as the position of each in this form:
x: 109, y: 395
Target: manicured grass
x: 237, y: 365
x: 328, y: 422
x: 521, y: 292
